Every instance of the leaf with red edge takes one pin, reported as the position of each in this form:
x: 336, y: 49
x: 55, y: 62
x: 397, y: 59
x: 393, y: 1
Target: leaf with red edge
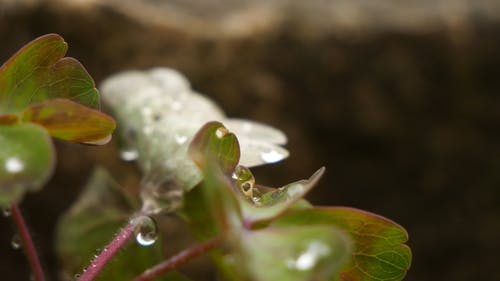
x: 379, y: 252
x: 70, y: 121
x: 38, y: 72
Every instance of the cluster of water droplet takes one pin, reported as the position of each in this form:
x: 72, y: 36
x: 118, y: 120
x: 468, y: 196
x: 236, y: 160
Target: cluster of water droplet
x: 244, y: 179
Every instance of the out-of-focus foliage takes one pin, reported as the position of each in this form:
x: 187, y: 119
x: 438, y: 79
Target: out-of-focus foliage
x: 43, y: 93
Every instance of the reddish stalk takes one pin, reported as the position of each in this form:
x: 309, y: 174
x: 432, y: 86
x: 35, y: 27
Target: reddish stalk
x: 27, y: 241
x: 177, y: 260
x: 107, y: 253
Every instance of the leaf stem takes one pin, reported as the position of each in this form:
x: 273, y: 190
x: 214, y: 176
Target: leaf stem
x: 177, y: 260
x: 27, y: 241
x: 108, y: 253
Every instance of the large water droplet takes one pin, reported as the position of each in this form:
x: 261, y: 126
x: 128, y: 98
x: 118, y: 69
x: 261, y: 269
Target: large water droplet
x: 307, y: 260
x: 15, y: 242
x: 272, y: 156
x: 145, y: 231
x: 14, y: 165
x: 129, y: 154
x: 6, y: 212
x: 244, y: 179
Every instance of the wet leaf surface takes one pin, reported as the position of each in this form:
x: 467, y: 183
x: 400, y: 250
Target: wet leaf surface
x: 26, y: 160
x: 379, y: 252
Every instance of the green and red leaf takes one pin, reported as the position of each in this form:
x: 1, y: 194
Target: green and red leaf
x: 38, y: 72
x: 70, y: 121
x: 379, y: 252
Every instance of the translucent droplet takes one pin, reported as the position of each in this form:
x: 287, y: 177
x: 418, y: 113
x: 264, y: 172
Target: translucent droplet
x: 221, y: 132
x: 129, y: 154
x: 77, y: 276
x: 272, y: 156
x: 307, y: 260
x: 244, y: 179
x: 180, y: 139
x: 14, y: 165
x: 145, y: 230
x: 6, y: 212
x: 15, y: 242
x: 294, y: 190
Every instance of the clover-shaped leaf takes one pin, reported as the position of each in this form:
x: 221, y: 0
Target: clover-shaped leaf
x: 26, y: 161
x: 379, y: 252
x: 38, y: 72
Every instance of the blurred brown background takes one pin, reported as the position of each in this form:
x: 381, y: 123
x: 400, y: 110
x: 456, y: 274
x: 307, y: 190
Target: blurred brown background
x: 400, y: 100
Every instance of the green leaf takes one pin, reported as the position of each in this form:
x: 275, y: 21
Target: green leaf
x: 38, y: 72
x: 214, y: 143
x: 379, y: 252
x: 272, y: 203
x: 216, y: 151
x: 91, y: 223
x: 70, y: 121
x: 26, y: 161
x: 290, y: 253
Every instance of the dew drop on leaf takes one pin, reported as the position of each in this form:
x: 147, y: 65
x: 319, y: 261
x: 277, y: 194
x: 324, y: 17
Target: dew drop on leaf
x: 180, y: 139
x: 145, y: 230
x: 14, y: 165
x: 6, y: 212
x: 129, y: 154
x: 244, y: 179
x: 15, y: 242
x: 221, y: 132
x: 309, y: 258
x: 272, y: 156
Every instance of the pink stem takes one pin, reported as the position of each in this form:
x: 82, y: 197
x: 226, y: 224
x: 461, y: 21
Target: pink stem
x: 27, y: 241
x: 107, y: 253
x: 177, y: 260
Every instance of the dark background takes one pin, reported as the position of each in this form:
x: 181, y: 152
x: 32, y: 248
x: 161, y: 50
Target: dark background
x: 400, y: 102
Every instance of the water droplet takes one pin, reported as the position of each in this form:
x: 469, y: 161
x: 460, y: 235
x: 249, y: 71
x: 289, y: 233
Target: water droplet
x: 77, y: 276
x: 129, y: 154
x: 294, y: 190
x: 15, y: 242
x: 272, y: 156
x: 307, y: 260
x: 180, y: 139
x: 177, y: 106
x: 14, y: 165
x: 221, y: 132
x: 145, y: 230
x: 6, y: 212
x: 244, y: 179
